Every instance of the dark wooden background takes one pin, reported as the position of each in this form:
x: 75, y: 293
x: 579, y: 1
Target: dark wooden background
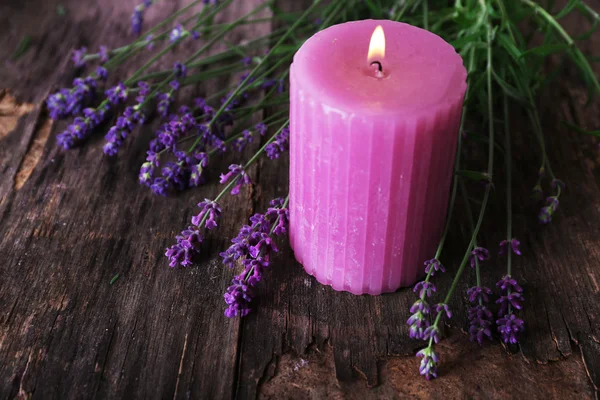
x: 70, y: 221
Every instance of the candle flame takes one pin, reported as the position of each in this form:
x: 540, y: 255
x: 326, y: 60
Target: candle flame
x: 377, y: 45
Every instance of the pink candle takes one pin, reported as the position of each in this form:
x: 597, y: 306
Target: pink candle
x: 371, y: 153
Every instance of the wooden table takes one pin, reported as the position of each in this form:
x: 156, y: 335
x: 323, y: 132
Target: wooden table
x: 70, y: 221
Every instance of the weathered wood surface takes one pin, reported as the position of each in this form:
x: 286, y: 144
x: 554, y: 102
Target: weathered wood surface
x: 70, y: 221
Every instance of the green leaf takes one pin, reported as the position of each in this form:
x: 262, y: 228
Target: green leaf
x: 61, y: 10
x: 546, y: 50
x: 474, y: 175
x: 568, y: 8
x: 22, y: 48
x: 581, y: 130
x: 114, y: 279
x: 512, y: 91
x: 376, y: 11
x: 506, y: 42
x: 461, y: 42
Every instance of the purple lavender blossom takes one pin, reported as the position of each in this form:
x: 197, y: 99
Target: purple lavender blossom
x: 197, y: 168
x: 240, y: 143
x: 514, y: 246
x: 253, y: 246
x: 239, y: 177
x: 176, y: 34
x: 78, y: 57
x: 433, y: 265
x: 188, y: 244
x: 247, y: 61
x: 149, y: 41
x: 479, y: 316
x: 432, y: 332
x: 477, y: 293
x: 282, y: 215
x: 510, y: 327
x: 261, y: 128
x: 428, y: 367
x: 137, y: 18
x: 210, y: 209
x: 180, y: 70
x: 479, y: 323
x: 164, y: 103
x: 117, y: 94
x: 443, y: 308
x: 418, y: 321
x: 545, y: 215
x: 103, y: 53
x: 119, y: 132
x: 509, y: 301
x: 101, y: 73
x: 279, y: 145
x: 478, y: 253
x: 425, y: 289
x: 57, y: 104
x: 238, y: 298
x: 159, y: 187
x: 146, y: 175
x: 81, y: 127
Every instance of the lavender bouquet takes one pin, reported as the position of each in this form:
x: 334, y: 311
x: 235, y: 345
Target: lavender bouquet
x: 505, y: 65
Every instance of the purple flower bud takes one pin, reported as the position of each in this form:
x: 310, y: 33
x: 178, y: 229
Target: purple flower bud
x: 79, y: 57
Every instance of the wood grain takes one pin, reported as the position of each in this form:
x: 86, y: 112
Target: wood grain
x: 80, y: 218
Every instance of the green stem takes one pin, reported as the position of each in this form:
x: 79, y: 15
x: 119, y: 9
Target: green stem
x: 255, y: 70
x: 425, y: 15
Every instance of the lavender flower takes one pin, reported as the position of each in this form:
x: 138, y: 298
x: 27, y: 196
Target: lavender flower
x: 176, y: 34
x: 81, y: 127
x: 101, y: 73
x: 211, y: 210
x: 545, y: 215
x: 424, y: 288
x: 253, y: 246
x: 433, y: 265
x: 477, y: 293
x: 78, y: 57
x: 103, y: 53
x: 432, y: 332
x: 479, y: 323
x: 510, y: 328
x: 478, y: 253
x: 510, y: 300
x: 137, y: 18
x: 188, y: 244
x: 57, y: 104
x: 118, y: 133
x: 238, y: 298
x: 239, y: 177
x: 418, y: 321
x: 514, y: 246
x: 117, y: 94
x: 164, y: 102
x: 180, y: 70
x: 443, y: 308
x: 279, y: 145
x: 428, y: 367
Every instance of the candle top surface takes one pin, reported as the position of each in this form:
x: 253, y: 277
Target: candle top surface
x: 421, y: 71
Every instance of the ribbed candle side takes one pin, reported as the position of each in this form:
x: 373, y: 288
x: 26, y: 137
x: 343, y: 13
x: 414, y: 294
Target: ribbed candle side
x: 368, y: 197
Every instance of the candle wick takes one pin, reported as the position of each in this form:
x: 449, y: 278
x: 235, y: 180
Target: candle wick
x: 379, y: 66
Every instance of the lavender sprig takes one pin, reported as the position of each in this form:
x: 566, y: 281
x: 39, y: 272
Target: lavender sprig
x: 253, y: 246
x: 511, y: 293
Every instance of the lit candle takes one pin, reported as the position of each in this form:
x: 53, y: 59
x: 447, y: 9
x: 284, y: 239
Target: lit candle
x: 374, y: 120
